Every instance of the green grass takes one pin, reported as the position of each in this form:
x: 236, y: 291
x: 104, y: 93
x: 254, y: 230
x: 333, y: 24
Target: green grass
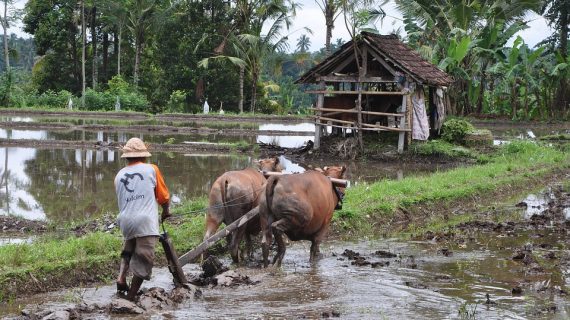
x: 367, y: 205
x: 443, y: 149
x: 556, y: 137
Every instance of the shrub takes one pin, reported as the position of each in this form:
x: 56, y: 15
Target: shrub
x: 177, y: 102
x: 454, y: 130
x: 99, y: 100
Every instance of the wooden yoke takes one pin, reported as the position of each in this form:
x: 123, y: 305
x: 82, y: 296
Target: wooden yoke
x: 336, y: 182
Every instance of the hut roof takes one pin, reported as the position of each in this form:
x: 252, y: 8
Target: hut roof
x: 393, y: 51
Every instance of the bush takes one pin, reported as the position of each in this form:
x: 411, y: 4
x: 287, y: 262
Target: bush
x: 454, y: 130
x: 177, y: 102
x: 99, y: 100
x: 52, y: 99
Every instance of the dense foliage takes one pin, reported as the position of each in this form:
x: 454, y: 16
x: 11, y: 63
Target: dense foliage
x: 175, y: 55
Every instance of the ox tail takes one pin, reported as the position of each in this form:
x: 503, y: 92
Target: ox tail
x: 224, y: 192
x: 269, y: 189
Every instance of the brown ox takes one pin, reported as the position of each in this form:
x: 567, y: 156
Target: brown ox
x: 233, y: 194
x: 300, y: 206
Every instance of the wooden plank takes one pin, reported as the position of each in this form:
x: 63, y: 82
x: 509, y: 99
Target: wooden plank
x: 320, y: 103
x: 402, y: 136
x: 377, y: 93
x: 379, y: 128
x: 337, y: 120
x: 354, y: 79
x: 194, y: 253
x: 363, y: 112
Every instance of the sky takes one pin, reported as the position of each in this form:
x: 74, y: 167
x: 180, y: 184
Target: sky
x: 310, y: 16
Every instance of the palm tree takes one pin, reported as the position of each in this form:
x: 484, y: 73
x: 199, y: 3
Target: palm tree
x: 434, y: 26
x: 303, y: 43
x: 140, y: 18
x: 248, y: 49
x: 331, y: 10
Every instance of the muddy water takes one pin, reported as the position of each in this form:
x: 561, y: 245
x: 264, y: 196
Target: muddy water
x: 427, y: 286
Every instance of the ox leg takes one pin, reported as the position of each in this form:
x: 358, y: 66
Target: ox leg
x: 266, y: 240
x: 235, y: 242
x: 212, y: 225
x: 248, y: 253
x: 315, y: 243
x: 279, y: 229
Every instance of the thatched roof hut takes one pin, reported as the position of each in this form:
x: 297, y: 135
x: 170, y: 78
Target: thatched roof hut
x: 386, y: 95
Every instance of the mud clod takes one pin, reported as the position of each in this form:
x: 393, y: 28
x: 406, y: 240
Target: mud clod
x: 122, y: 306
x: 515, y: 291
x: 385, y: 254
x: 212, y: 266
x: 445, y: 252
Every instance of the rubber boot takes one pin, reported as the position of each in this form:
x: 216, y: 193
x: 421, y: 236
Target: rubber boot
x: 135, y: 286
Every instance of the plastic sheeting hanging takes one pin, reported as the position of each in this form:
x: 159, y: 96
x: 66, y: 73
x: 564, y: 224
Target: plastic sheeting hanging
x: 420, y: 127
x: 440, y: 107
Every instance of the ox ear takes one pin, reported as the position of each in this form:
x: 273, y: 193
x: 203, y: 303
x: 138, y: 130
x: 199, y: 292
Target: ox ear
x: 325, y: 168
x: 343, y: 170
x: 319, y: 170
x: 276, y: 160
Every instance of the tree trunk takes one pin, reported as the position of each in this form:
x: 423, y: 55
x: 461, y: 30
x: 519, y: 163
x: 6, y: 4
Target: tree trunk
x: 138, y: 52
x: 119, y: 51
x: 241, y: 79
x: 254, y: 77
x: 105, y: 56
x: 562, y: 95
x: 5, y: 27
x: 94, y: 40
x: 329, y: 22
x: 482, y: 89
x: 83, y: 47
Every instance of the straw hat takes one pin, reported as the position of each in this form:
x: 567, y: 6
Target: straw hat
x: 135, y: 148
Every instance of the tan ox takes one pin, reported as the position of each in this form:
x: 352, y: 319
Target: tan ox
x: 233, y: 194
x: 300, y: 206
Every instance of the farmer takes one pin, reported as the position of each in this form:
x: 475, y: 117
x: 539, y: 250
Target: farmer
x: 139, y: 186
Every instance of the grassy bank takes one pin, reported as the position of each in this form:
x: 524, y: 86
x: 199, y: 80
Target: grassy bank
x: 368, y: 209
x: 372, y: 208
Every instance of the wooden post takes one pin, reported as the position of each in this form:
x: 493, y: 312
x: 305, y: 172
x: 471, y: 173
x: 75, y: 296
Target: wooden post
x: 403, y: 122
x: 410, y: 119
x: 318, y: 127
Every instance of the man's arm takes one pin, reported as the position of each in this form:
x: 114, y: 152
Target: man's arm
x: 162, y: 194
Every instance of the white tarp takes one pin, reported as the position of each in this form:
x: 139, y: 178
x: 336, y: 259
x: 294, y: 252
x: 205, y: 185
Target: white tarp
x: 420, y: 127
x: 440, y: 106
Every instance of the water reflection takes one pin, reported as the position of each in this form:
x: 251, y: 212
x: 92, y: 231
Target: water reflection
x: 64, y: 185
x: 286, y: 141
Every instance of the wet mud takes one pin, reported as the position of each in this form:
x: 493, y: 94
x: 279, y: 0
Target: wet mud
x: 13, y: 224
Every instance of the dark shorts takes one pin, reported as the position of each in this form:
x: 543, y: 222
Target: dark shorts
x: 142, y: 255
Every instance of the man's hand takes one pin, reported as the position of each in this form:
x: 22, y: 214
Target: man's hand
x: 165, y: 212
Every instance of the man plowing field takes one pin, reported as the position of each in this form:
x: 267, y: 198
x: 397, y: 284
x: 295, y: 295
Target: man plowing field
x: 139, y: 186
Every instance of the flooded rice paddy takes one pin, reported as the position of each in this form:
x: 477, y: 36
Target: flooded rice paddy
x: 77, y: 184
x: 525, y: 269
